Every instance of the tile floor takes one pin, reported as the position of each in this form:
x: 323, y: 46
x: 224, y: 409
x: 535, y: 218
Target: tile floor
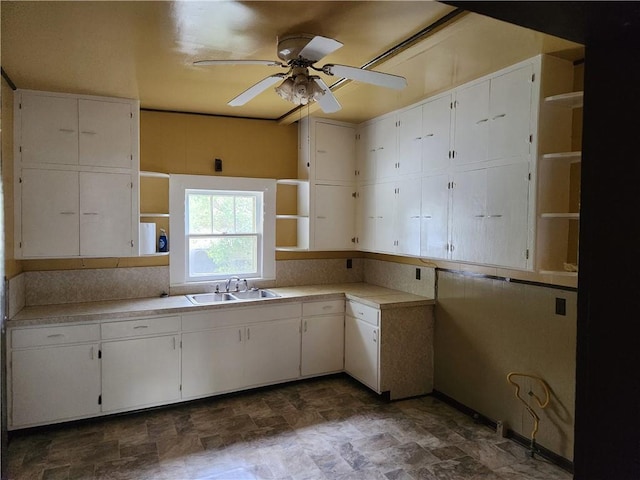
x: 329, y: 428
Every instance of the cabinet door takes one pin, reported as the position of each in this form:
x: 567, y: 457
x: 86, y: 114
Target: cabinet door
x: 334, y: 226
x: 335, y: 152
x: 272, y: 352
x: 365, y: 159
x: 212, y: 361
x: 407, y: 224
x: 506, y: 218
x: 49, y: 129
x: 56, y: 383
x: 510, y: 115
x: 105, y: 214
x: 140, y: 372
x: 385, y: 140
x: 322, y: 344
x: 410, y: 141
x: 49, y: 217
x: 366, y: 217
x: 105, y: 137
x: 385, y: 198
x: 436, y: 134
x: 471, y: 136
x: 434, y: 216
x: 361, y: 351
x: 468, y: 204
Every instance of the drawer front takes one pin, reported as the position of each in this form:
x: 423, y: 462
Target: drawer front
x: 239, y: 316
x: 363, y: 312
x: 322, y: 308
x: 143, y: 326
x: 40, y: 336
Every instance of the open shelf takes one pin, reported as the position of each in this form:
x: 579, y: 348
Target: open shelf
x: 571, y: 157
x: 568, y: 100
x: 568, y: 216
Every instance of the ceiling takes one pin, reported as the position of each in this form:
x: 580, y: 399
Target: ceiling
x: 146, y: 50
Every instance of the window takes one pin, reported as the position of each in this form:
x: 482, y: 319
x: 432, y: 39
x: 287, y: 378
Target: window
x: 220, y: 227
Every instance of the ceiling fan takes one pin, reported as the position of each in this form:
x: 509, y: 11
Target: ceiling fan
x: 299, y: 53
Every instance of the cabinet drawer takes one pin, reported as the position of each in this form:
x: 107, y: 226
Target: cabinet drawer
x: 34, y: 337
x: 363, y: 312
x: 322, y: 308
x: 239, y: 316
x: 143, y: 326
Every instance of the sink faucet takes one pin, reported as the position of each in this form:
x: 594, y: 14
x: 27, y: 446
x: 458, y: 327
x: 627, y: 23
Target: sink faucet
x: 229, y: 280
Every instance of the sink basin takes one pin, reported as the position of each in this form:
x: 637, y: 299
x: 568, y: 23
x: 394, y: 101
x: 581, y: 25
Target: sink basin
x: 250, y: 294
x: 209, y: 298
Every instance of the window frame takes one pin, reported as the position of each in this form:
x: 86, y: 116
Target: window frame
x: 179, y: 185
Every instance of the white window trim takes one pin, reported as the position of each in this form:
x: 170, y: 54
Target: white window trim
x: 179, y: 184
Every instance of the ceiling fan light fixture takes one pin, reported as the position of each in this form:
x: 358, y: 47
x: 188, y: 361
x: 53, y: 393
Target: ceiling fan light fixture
x: 299, y: 90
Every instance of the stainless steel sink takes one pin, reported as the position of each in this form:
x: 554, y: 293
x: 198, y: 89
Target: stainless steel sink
x: 251, y: 294
x: 209, y: 298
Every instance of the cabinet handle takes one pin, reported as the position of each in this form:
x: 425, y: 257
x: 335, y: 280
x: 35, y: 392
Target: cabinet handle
x: 499, y: 116
x: 66, y: 130
x: 90, y: 213
x: 305, y: 325
x: 426, y: 216
x: 494, y: 216
x: 321, y: 151
x: 240, y: 335
x: 415, y: 216
x: 88, y: 132
x: 418, y: 138
x: 429, y: 135
x: 140, y: 326
x: 482, y: 121
x: 381, y: 148
x: 479, y: 216
x: 92, y: 354
x: 67, y: 213
x: 55, y: 335
x: 321, y: 216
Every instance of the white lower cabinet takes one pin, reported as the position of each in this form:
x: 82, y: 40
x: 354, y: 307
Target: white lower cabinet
x: 54, y: 384
x: 140, y: 372
x: 322, y: 338
x: 230, y: 349
x: 54, y: 374
x: 361, y: 351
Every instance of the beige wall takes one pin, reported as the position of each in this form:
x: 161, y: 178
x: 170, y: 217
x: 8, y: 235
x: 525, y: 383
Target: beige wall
x: 486, y: 328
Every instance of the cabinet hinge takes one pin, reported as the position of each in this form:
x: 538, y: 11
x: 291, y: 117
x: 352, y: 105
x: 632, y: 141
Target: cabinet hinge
x: 533, y: 77
x: 530, y: 138
x: 180, y: 387
x: 354, y: 240
x: 130, y: 114
x: 20, y: 148
x: 99, y: 353
x: 526, y: 254
x: 20, y: 106
x: 99, y: 399
x: 20, y: 244
x: 354, y: 194
x: 529, y: 176
x: 451, y: 106
x: 20, y: 180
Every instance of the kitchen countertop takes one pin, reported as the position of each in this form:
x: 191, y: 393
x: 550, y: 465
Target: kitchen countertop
x: 372, y: 295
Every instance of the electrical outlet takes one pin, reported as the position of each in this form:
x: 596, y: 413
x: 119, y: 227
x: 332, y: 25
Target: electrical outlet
x: 561, y: 306
x: 349, y: 263
x: 218, y: 165
x: 418, y: 272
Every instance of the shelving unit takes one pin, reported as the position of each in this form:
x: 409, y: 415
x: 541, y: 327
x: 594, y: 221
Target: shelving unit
x: 559, y: 206
x: 157, y: 205
x: 295, y: 224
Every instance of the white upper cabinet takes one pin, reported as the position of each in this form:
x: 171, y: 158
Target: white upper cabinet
x: 49, y: 129
x: 424, y: 137
x: 471, y: 135
x: 335, y: 207
x: 383, y: 148
x: 105, y: 133
x: 510, y: 115
x: 76, y: 182
x: 365, y: 156
x: 493, y: 118
x: 335, y: 152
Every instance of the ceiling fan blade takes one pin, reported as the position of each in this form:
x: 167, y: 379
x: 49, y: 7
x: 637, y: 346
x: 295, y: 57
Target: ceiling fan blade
x: 319, y: 47
x: 367, y: 76
x: 328, y: 102
x: 257, y: 89
x: 268, y: 63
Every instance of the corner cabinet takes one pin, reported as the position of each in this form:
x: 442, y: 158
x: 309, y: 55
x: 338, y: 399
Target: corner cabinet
x: 76, y: 177
x: 325, y: 193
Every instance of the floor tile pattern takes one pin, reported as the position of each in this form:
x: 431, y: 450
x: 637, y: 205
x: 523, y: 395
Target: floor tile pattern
x: 327, y: 428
